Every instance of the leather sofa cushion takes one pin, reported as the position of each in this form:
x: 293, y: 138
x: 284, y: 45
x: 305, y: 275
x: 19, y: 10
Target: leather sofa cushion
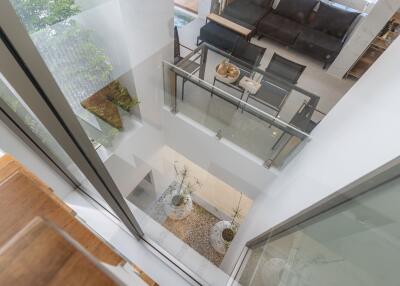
x: 279, y: 28
x: 264, y: 3
x: 218, y: 36
x: 333, y: 20
x: 296, y: 10
x: 245, y: 11
x: 319, y: 44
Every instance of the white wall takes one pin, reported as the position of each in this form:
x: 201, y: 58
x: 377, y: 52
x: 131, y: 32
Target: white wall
x: 356, y: 137
x: 13, y: 145
x: 219, y: 158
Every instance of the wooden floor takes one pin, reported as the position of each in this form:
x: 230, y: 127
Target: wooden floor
x: 24, y: 197
x: 41, y: 254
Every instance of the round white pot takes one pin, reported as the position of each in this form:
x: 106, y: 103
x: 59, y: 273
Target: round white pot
x: 216, y: 239
x: 177, y: 212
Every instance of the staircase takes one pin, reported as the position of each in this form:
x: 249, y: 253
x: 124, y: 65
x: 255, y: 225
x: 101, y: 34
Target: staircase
x: 37, y: 227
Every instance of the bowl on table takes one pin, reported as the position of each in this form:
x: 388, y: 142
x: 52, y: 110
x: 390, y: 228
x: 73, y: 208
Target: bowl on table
x: 227, y: 72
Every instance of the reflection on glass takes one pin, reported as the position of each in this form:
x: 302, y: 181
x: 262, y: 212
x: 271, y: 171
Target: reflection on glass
x: 10, y: 97
x: 356, y: 243
x: 69, y: 42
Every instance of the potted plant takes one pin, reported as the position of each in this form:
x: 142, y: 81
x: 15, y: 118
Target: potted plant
x: 179, y: 203
x: 224, y: 231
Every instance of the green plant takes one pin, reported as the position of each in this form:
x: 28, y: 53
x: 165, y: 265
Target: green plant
x: 39, y: 14
x: 69, y: 49
x: 236, y: 213
x: 120, y: 96
x: 229, y: 233
x: 185, y: 184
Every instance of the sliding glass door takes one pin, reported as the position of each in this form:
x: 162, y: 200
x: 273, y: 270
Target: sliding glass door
x: 88, y: 62
x: 31, y: 97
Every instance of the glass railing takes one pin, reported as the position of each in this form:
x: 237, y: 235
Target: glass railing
x: 261, y: 127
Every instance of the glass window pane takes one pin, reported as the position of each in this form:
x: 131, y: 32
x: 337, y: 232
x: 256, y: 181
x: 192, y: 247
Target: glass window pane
x: 10, y: 97
x: 356, y: 243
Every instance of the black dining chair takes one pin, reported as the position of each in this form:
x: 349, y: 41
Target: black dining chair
x: 247, y: 53
x: 303, y: 118
x: 189, y: 66
x: 282, y: 75
x: 285, y: 69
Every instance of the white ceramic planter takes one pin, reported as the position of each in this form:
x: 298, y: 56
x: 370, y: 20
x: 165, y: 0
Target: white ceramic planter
x: 177, y: 212
x: 216, y: 239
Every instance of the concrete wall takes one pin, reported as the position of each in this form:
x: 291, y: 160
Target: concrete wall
x: 356, y: 137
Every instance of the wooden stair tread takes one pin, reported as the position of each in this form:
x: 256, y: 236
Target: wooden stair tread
x: 40, y: 254
x: 23, y: 197
x: 8, y: 166
x: 21, y: 200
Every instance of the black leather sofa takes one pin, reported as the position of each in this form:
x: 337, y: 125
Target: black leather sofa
x: 320, y: 33
x: 247, y: 12
x: 311, y: 26
x: 324, y: 36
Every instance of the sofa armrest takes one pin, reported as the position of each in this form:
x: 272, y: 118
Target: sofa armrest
x: 352, y: 27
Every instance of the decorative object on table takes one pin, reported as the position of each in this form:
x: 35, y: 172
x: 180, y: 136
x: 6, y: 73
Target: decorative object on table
x: 227, y: 72
x: 178, y: 203
x: 250, y: 85
x: 119, y: 95
x: 223, y: 232
x: 99, y: 105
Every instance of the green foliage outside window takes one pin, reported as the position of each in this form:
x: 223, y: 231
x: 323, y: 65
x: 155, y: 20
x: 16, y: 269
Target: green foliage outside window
x: 81, y: 63
x: 39, y: 14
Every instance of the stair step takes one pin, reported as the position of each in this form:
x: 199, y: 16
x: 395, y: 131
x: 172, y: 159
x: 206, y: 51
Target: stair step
x: 23, y: 197
x: 41, y: 254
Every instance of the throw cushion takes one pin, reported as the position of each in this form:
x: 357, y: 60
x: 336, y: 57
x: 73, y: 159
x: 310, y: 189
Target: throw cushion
x: 297, y: 10
x: 279, y: 28
x: 246, y: 12
x: 333, y: 20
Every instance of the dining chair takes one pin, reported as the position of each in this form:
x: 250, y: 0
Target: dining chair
x: 282, y: 75
x: 303, y: 119
x: 247, y: 52
x: 189, y: 66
